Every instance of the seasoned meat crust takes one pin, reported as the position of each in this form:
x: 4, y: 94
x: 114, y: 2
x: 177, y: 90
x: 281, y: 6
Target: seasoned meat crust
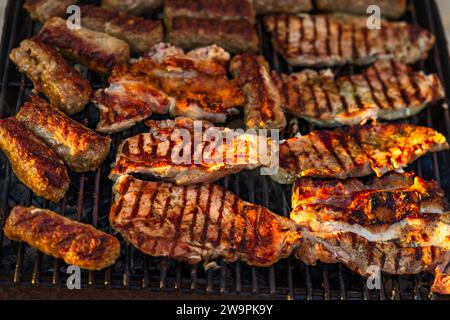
x: 133, y: 6
x: 389, y: 8
x: 81, y: 148
x: 235, y: 36
x: 63, y: 85
x: 77, y: 243
x: 43, y: 10
x: 331, y: 40
x: 288, y: 6
x: 141, y: 34
x: 387, y: 90
x: 209, y: 9
x: 263, y: 102
x: 199, y: 222
x: 161, y: 152
x: 356, y: 151
x: 97, y: 50
x: 35, y: 164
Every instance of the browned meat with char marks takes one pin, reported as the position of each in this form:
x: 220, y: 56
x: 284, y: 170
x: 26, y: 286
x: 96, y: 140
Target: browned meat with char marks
x: 290, y: 6
x: 97, y: 50
x: 199, y: 222
x: 133, y: 6
x: 262, y: 107
x: 63, y: 85
x: 388, y: 8
x: 81, y: 148
x: 77, y: 243
x: 356, y: 151
x: 331, y: 40
x: 236, y: 36
x: 387, y: 90
x: 165, y: 152
x: 43, y: 10
x: 398, y: 223
x: 33, y: 162
x: 141, y: 34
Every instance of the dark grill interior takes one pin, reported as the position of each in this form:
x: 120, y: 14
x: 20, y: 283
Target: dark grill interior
x: 89, y: 200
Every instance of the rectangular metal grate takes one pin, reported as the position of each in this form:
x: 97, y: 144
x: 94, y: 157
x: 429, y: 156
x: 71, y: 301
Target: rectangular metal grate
x: 89, y: 200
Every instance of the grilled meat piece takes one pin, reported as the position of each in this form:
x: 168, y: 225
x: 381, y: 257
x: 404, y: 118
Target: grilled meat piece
x: 356, y: 151
x: 97, y: 50
x: 199, y: 222
x: 263, y: 102
x: 388, y: 8
x: 130, y: 98
x: 330, y: 40
x: 397, y: 222
x: 235, y: 36
x: 77, y: 243
x: 133, y: 6
x: 63, y: 85
x: 140, y: 34
x: 209, y: 9
x: 175, y: 151
x: 387, y: 90
x: 289, y: 6
x: 80, y: 148
x: 35, y: 164
x: 43, y: 10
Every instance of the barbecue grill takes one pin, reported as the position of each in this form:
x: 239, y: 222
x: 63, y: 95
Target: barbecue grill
x: 25, y: 272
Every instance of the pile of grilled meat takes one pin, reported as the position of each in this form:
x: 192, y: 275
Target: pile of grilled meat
x: 396, y: 220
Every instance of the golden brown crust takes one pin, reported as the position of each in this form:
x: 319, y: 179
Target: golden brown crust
x: 63, y: 85
x: 389, y: 8
x: 81, y: 148
x: 43, y: 10
x: 233, y: 35
x: 35, y: 164
x: 77, y: 243
x: 98, y: 51
x: 141, y: 34
x: 133, y: 6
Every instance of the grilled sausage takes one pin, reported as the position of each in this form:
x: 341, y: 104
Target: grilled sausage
x: 81, y: 148
x: 389, y: 8
x: 141, y: 34
x: 43, y: 10
x: 97, y: 50
x: 77, y: 243
x: 35, y: 164
x: 233, y: 35
x: 289, y: 6
x: 63, y: 85
x: 133, y: 6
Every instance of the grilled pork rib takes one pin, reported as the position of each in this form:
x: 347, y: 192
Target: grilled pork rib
x: 387, y: 90
x: 81, y: 148
x: 77, y: 243
x: 141, y: 34
x: 63, y: 85
x: 167, y: 153
x: 398, y: 222
x: 33, y: 162
x: 263, y: 102
x: 388, y: 8
x: 356, y: 151
x: 96, y: 50
x: 199, y: 222
x: 330, y: 40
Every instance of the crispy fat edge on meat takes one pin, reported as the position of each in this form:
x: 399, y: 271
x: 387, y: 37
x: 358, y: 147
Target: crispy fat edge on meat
x: 77, y: 243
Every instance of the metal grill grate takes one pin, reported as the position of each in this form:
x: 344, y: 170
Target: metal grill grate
x: 90, y: 195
